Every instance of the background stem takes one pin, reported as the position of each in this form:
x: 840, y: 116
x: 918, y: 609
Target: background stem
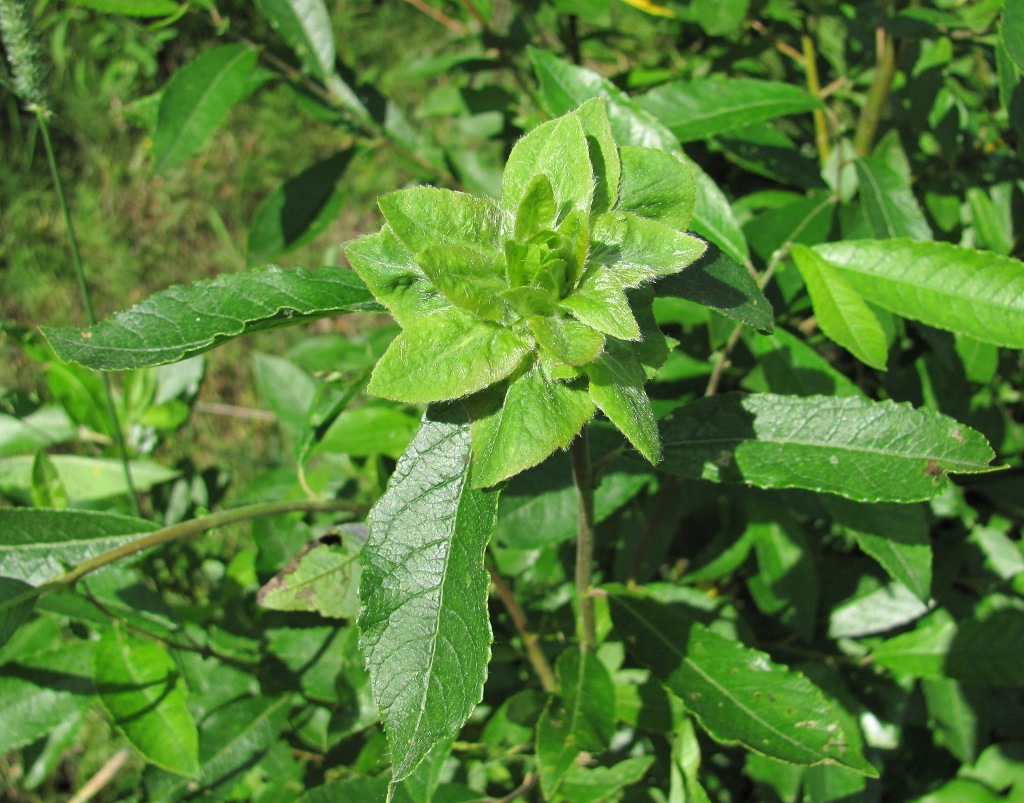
x: 583, y: 479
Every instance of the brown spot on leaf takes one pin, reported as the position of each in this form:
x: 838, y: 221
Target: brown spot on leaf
x: 932, y: 469
x: 957, y: 435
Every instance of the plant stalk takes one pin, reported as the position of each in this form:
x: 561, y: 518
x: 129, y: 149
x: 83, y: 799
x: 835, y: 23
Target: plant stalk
x: 531, y: 641
x: 583, y: 479
x: 814, y: 87
x: 878, y: 94
x: 76, y: 261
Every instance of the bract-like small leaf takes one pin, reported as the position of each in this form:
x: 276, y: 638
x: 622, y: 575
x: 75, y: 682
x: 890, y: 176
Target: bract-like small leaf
x: 658, y: 186
x: 139, y: 685
x: 424, y: 625
x: 604, y: 156
x: 1012, y: 31
x: 738, y: 694
x: 637, y: 250
x: 323, y: 578
x: 517, y: 426
x: 841, y: 313
x: 566, y: 339
x: 897, y: 536
x: 297, y: 211
x: 84, y: 478
x: 469, y: 278
x: 182, y: 321
x: 557, y: 149
x: 889, y: 205
x: 197, y: 99
x: 700, y: 109
x: 38, y: 545
x: 971, y: 292
x: 393, y: 277
x: 537, y: 210
x: 581, y: 718
x: 600, y: 302
x: 863, y: 450
x: 132, y: 8
x: 425, y: 216
x: 306, y: 26
x: 718, y: 281
x: 617, y: 386
x: 447, y: 355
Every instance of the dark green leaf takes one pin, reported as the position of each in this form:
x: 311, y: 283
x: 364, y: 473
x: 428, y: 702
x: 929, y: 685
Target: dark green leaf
x: 424, y: 623
x: 16, y: 602
x: 297, y: 211
x: 737, y: 693
x: 863, y: 450
x: 139, y: 685
x: 785, y: 364
x: 1012, y: 30
x: 842, y: 314
x: 182, y: 321
x: 197, y: 99
x: 957, y: 289
x: 306, y: 26
x: 888, y: 202
x: 718, y: 281
x: 581, y: 718
x: 518, y: 425
x: 702, y: 108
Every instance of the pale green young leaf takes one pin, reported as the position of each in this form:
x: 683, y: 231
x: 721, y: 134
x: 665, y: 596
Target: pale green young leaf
x: 566, y: 339
x: 537, y: 210
x: 600, y: 302
x: 46, y: 426
x: 656, y: 185
x: 84, y: 479
x: 737, y: 694
x: 132, y: 8
x: 425, y: 631
x: 864, y: 450
x: 197, y: 99
x: 392, y: 275
x: 617, y: 386
x: 841, y: 313
x: 957, y: 289
x: 141, y: 688
x: 558, y: 150
x: 425, y: 216
x: 604, y: 156
x: 323, y: 578
x: 921, y: 652
x: 718, y: 281
x: 305, y: 26
x: 637, y: 250
x: 447, y: 355
x: 580, y: 718
x: 705, y: 107
x: 518, y: 425
x: 897, y: 536
x: 888, y: 202
x: 38, y: 545
x: 469, y: 278
x: 182, y: 321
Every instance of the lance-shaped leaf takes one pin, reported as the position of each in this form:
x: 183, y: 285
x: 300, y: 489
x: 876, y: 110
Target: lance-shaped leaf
x: 970, y: 292
x: 604, y: 155
x: 617, y: 386
x: 557, y: 149
x: 738, y: 694
x: 38, y: 545
x: 890, y: 208
x: 718, y: 281
x: 182, y: 321
x: 1012, y: 31
x: 197, y: 99
x: 16, y: 602
x: 139, y: 685
x: 425, y: 630
x: 699, y: 109
x: 447, y: 355
x: 132, y: 8
x: 863, y: 450
x: 517, y: 426
x: 637, y: 250
x: 580, y: 718
x: 842, y: 314
x: 306, y: 26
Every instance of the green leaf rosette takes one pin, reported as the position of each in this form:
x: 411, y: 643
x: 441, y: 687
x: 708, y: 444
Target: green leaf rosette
x: 533, y: 311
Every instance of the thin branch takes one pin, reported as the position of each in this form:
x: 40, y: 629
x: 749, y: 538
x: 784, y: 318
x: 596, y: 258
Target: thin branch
x: 470, y: 6
x: 583, y: 479
x: 454, y: 26
x: 531, y: 641
x: 101, y: 778
x: 520, y: 791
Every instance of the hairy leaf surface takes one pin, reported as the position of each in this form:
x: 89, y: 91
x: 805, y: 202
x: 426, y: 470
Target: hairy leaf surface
x: 425, y: 630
